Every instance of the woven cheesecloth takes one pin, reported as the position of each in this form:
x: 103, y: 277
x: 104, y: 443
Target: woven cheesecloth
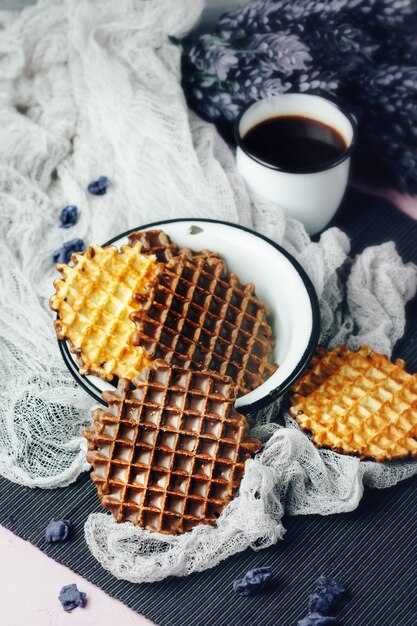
x: 90, y: 88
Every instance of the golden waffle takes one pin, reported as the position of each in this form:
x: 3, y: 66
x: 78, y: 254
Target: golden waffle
x: 170, y: 453
x: 358, y: 403
x: 158, y: 243
x: 94, y: 300
x: 196, y: 315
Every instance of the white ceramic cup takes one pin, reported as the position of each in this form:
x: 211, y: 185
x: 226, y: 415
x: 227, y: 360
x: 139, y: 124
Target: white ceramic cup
x: 310, y: 195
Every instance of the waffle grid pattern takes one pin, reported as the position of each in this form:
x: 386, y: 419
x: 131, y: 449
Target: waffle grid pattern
x: 169, y: 454
x: 197, y: 315
x: 158, y: 243
x: 94, y: 300
x: 155, y: 242
x: 358, y: 403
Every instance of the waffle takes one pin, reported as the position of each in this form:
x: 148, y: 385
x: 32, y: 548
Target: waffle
x: 358, y: 403
x: 170, y: 453
x: 158, y: 243
x: 94, y: 300
x: 196, y: 315
x: 155, y: 242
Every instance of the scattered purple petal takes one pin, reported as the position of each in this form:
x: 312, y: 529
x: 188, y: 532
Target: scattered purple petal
x: 316, y: 619
x: 253, y: 581
x: 68, y: 216
x: 63, y: 254
x: 327, y: 592
x: 70, y: 597
x: 57, y: 530
x: 99, y: 187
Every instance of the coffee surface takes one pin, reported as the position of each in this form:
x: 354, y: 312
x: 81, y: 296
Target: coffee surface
x: 294, y: 143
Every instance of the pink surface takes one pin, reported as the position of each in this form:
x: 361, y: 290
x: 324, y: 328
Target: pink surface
x: 29, y: 586
x: 407, y: 204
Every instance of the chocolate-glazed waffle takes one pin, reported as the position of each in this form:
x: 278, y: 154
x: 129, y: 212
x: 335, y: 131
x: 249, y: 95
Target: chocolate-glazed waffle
x: 170, y: 453
x: 198, y: 316
x: 358, y: 403
x: 94, y: 300
x: 155, y: 242
x: 158, y: 243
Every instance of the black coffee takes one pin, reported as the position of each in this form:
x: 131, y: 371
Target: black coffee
x: 294, y: 143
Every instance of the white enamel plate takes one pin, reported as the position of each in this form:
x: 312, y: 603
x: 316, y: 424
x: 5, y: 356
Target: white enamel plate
x: 280, y: 282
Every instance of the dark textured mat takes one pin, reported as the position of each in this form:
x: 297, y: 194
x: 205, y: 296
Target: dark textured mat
x: 373, y: 550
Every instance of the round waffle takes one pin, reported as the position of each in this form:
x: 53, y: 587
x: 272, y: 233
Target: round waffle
x: 358, y: 403
x: 169, y: 453
x: 94, y: 301
x: 196, y: 315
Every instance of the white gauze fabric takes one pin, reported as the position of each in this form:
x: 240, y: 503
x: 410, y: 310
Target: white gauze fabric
x: 90, y: 88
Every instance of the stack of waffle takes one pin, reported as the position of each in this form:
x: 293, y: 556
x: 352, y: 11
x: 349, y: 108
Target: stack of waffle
x: 121, y: 310
x: 184, y: 337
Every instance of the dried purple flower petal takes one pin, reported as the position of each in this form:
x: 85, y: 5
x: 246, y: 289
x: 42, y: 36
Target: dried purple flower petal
x: 99, y: 187
x: 68, y: 216
x: 327, y: 592
x: 57, y: 530
x: 322, y: 603
x: 253, y: 581
x: 284, y: 51
x: 273, y: 87
x: 316, y: 619
x: 70, y: 597
x: 63, y: 254
x: 219, y: 58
